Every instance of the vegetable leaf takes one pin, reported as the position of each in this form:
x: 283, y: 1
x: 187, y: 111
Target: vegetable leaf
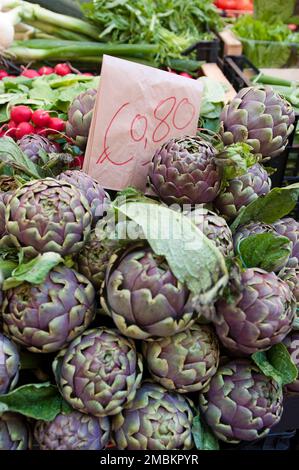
x: 192, y: 257
x: 264, y: 250
x: 277, y: 363
x: 39, y: 401
x: 275, y: 205
x: 203, y: 437
x: 10, y: 153
x: 34, y: 271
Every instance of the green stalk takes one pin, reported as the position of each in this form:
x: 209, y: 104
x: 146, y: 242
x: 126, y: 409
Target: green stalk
x: 57, y: 32
x: 184, y: 65
x: 31, y: 12
x: 270, y: 80
x: 70, y: 52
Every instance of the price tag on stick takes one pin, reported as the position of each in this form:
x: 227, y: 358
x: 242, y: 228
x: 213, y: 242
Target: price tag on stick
x: 138, y: 108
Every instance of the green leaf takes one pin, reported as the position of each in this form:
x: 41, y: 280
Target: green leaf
x: 34, y: 271
x: 42, y: 90
x: 234, y: 160
x: 11, y: 154
x: 203, y: 437
x: 264, y: 250
x: 6, y: 269
x: 192, y: 257
x: 276, y: 11
x: 277, y: 363
x: 38, y: 401
x: 275, y: 205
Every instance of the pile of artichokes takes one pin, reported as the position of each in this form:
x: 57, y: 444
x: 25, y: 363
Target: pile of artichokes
x: 133, y: 358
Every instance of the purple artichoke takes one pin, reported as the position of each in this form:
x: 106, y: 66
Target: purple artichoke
x: 99, y: 372
x: 260, y: 117
x: 74, y: 431
x: 291, y: 277
x: 80, y: 116
x: 289, y: 228
x: 260, y: 315
x: 2, y: 214
x: 155, y: 420
x: 144, y: 298
x: 242, y: 190
x: 241, y: 403
x: 45, y: 317
x: 183, y: 171
x: 215, y: 228
x: 9, y: 364
x: 32, y: 145
x: 97, y: 198
x: 185, y: 362
x: 93, y: 261
x: 14, y: 432
x: 49, y: 215
x: 292, y: 344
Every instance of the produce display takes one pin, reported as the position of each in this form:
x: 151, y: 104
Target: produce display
x: 161, y: 319
x: 134, y: 348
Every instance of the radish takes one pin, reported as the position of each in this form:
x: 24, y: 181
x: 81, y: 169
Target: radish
x: 62, y: 69
x: 11, y: 129
x: 30, y: 73
x: 57, y: 124
x: 3, y: 74
x: 45, y: 70
x: 41, y: 118
x: 24, y: 128
x: 185, y: 74
x: 20, y: 114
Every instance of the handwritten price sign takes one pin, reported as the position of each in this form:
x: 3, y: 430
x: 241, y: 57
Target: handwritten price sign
x: 138, y: 108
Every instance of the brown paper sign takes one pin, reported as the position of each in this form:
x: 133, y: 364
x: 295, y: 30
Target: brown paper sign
x: 138, y: 108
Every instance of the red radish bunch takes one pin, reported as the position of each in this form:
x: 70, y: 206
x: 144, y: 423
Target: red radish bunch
x: 23, y: 121
x: 60, y: 69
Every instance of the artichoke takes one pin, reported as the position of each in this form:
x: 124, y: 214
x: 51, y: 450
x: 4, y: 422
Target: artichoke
x: 49, y: 215
x: 45, y: 317
x: 289, y: 228
x: 2, y: 214
x: 242, y: 190
x: 93, y: 260
x: 291, y: 277
x: 144, y: 298
x: 241, y: 403
x: 292, y: 344
x: 80, y: 116
x: 99, y: 372
x: 9, y: 364
x: 185, y: 362
x: 183, y: 171
x: 257, y: 228
x: 215, y: 228
x: 14, y: 432
x: 74, y: 431
x: 32, y: 145
x: 256, y: 316
x: 155, y: 420
x: 261, y: 118
x: 97, y: 198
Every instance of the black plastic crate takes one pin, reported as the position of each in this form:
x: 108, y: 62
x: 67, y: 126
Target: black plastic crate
x: 205, y: 50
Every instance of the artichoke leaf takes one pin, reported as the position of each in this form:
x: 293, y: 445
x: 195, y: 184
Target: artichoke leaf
x: 203, y: 437
x: 277, y: 363
x: 192, y: 257
x: 264, y: 250
x: 37, y: 401
x: 275, y: 205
